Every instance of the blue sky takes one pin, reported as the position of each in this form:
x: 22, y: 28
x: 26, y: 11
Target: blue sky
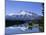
x: 15, y: 6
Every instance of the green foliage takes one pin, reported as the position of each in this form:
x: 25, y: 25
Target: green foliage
x: 13, y: 22
x: 41, y: 24
x: 30, y: 26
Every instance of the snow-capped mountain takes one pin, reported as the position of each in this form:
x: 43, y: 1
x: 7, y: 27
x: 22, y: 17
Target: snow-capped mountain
x: 22, y: 15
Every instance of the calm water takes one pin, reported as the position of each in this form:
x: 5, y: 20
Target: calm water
x: 21, y: 29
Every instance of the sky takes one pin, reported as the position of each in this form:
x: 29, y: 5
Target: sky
x: 15, y: 6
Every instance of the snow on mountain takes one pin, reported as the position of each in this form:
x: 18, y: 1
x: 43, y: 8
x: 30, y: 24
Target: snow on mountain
x: 19, y: 13
x: 22, y: 15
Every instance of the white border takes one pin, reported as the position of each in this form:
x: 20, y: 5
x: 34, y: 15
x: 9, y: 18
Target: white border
x: 29, y: 0
x: 2, y: 19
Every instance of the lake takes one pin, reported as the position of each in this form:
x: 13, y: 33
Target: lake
x: 21, y: 29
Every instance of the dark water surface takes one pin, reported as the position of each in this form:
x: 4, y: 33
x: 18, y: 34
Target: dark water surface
x: 21, y: 29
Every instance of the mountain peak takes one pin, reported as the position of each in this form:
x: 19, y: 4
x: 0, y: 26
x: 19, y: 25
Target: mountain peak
x: 19, y: 13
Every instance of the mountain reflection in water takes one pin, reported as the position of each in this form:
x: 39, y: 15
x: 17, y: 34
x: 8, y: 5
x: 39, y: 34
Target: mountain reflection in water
x: 20, y: 30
